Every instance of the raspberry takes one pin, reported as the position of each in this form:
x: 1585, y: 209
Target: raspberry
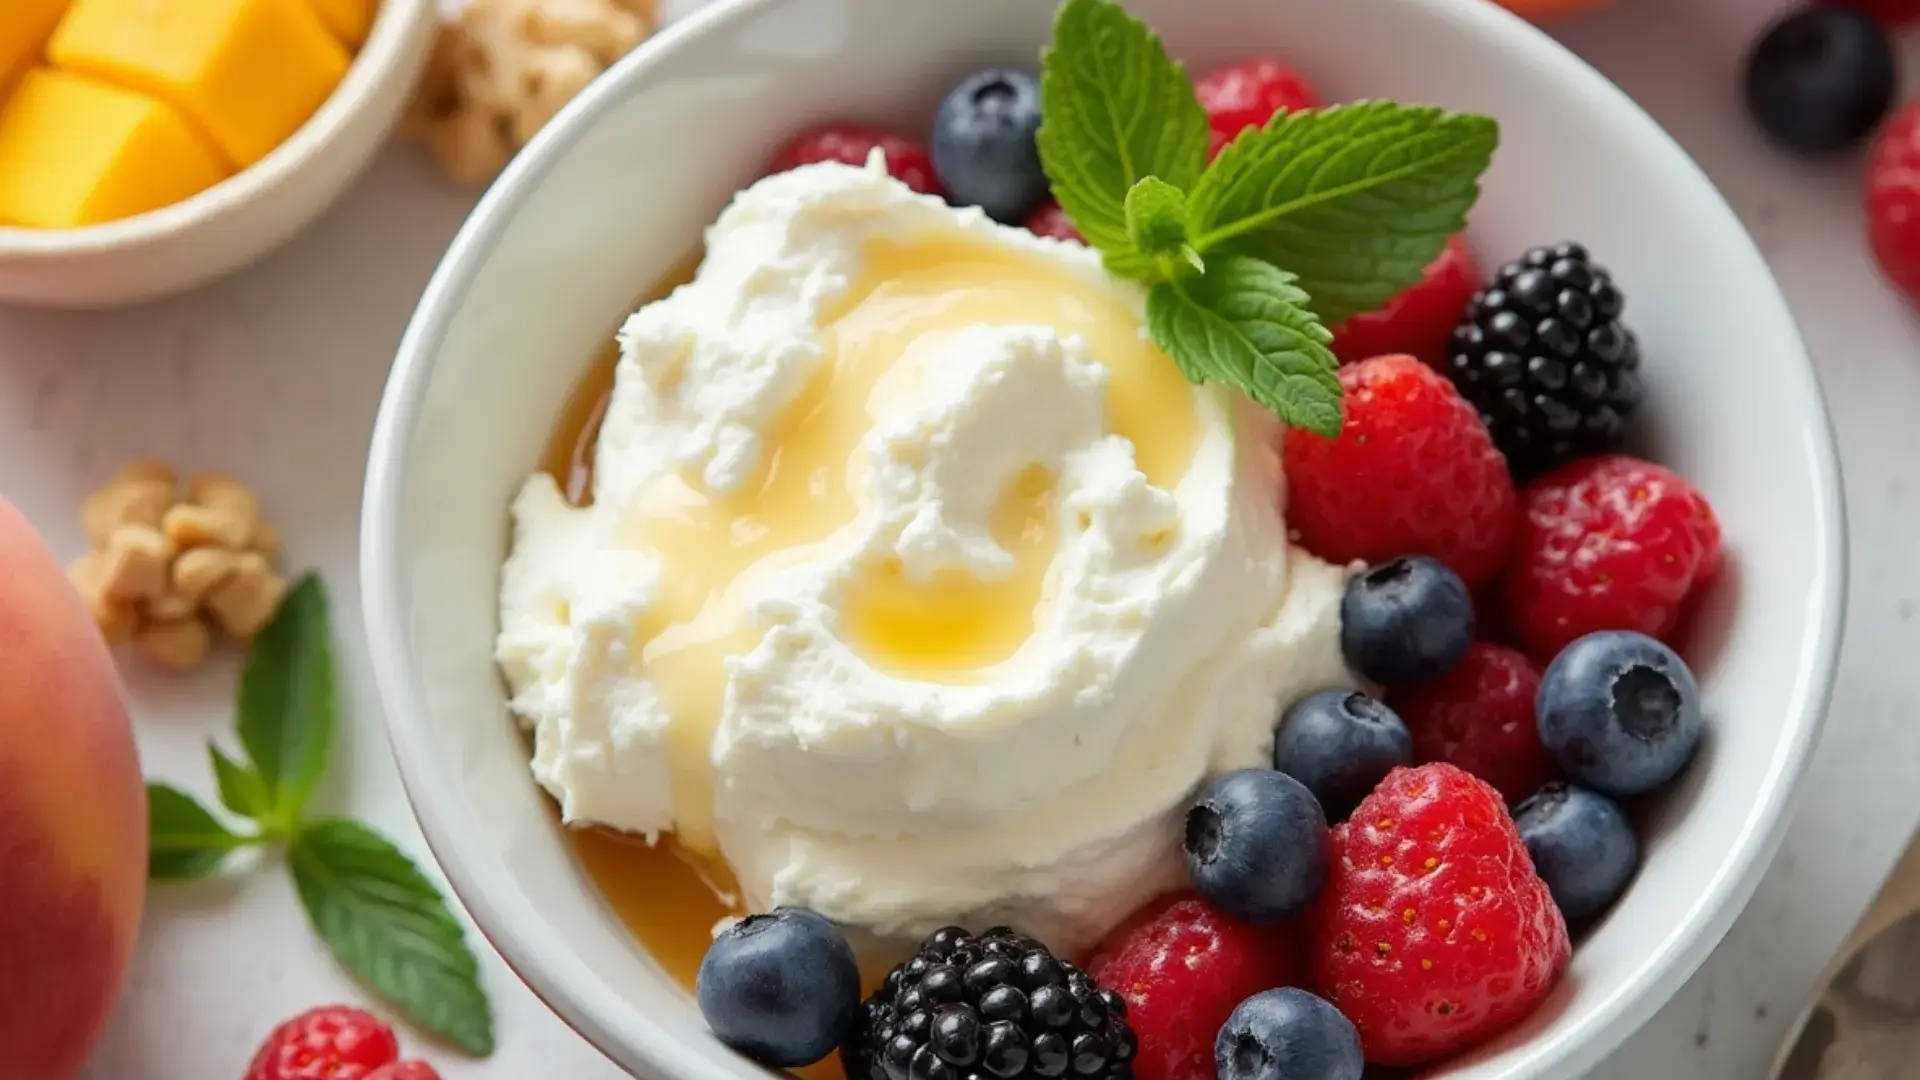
x: 1051, y: 220
x: 405, y: 1070
x: 1413, y: 472
x: 850, y: 144
x: 335, y: 1042
x: 1421, y: 319
x: 1893, y: 200
x: 1608, y: 543
x: 1891, y: 12
x: 1181, y: 967
x: 1247, y: 95
x: 1479, y: 717
x: 1434, y: 933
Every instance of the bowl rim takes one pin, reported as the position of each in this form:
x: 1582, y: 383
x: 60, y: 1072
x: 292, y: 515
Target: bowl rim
x: 385, y: 49
x: 643, y: 1045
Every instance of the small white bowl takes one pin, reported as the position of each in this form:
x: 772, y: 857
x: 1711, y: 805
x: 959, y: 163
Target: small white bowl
x: 615, y: 191
x: 245, y: 216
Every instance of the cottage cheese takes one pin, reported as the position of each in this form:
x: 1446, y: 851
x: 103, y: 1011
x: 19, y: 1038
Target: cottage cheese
x: 982, y: 477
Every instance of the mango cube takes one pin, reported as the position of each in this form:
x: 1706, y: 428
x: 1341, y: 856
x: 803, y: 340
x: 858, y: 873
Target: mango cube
x: 24, y: 30
x: 248, y: 72
x: 74, y: 151
x: 348, y: 19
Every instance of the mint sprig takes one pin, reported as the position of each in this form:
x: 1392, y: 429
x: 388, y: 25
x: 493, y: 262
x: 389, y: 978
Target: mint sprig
x: 379, y: 915
x: 1318, y: 216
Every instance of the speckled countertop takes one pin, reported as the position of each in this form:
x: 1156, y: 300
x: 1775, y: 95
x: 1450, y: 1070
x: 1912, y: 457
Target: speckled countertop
x: 276, y: 373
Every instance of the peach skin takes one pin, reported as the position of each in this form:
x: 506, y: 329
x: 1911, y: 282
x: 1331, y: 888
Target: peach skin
x: 73, y: 817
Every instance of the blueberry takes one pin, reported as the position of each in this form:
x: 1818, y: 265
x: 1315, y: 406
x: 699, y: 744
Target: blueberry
x: 1820, y: 79
x: 1256, y: 845
x: 1405, y: 621
x: 1619, y: 712
x: 1340, y: 745
x: 1582, y: 846
x: 1287, y: 1034
x: 983, y: 148
x: 780, y: 988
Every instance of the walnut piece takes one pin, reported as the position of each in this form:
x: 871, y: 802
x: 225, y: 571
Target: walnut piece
x: 166, y: 571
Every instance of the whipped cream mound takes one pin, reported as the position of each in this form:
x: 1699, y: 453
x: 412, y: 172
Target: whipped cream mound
x: 1043, y: 790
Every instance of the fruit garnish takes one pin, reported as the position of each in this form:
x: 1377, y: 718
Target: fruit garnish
x: 1608, y: 543
x: 1582, y: 846
x: 1414, y: 473
x: 1542, y: 353
x: 850, y: 144
x: 334, y: 1042
x: 1893, y: 201
x: 1405, y: 621
x: 1255, y: 845
x: 1479, y: 716
x: 1181, y: 966
x: 1340, y: 743
x: 1052, y: 221
x: 1247, y: 95
x: 1620, y: 712
x: 1434, y: 933
x: 1288, y: 1034
x: 1311, y: 218
x: 405, y: 1070
x: 998, y: 1005
x: 983, y: 144
x: 1820, y: 79
x: 382, y: 918
x: 781, y: 988
x: 1421, y: 318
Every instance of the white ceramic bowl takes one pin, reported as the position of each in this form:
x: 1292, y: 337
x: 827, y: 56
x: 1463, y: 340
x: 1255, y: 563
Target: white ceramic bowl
x: 616, y: 191
x: 245, y: 216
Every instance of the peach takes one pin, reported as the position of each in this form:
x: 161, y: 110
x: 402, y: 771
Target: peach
x: 73, y: 817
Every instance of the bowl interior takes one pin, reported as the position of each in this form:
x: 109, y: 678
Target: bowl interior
x: 618, y: 190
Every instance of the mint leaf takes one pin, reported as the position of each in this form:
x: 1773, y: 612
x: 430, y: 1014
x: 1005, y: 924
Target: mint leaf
x: 242, y: 790
x: 1156, y: 217
x: 1115, y: 109
x: 183, y: 839
x: 386, y: 923
x: 1246, y: 323
x: 1355, y: 200
x: 287, y: 699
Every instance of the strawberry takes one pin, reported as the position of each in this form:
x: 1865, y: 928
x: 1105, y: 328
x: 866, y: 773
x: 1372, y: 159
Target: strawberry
x: 850, y: 144
x: 335, y: 1042
x: 1181, y: 967
x: 405, y: 1070
x: 1479, y: 716
x: 1608, y: 543
x: 1413, y: 472
x: 1247, y: 95
x: 1434, y: 933
x: 1420, y: 320
x: 1893, y: 200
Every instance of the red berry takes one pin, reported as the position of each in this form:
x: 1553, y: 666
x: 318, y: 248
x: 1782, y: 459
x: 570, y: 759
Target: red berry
x: 1893, y: 200
x: 405, y: 1070
x: 1413, y: 472
x: 1421, y: 319
x: 1434, y: 933
x: 1181, y: 967
x: 1248, y: 94
x: 1479, y: 716
x: 1608, y: 543
x: 850, y: 144
x: 331, y: 1043
x: 1051, y: 220
x: 1891, y: 12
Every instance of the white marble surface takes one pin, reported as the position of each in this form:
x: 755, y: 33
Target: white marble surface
x: 276, y: 374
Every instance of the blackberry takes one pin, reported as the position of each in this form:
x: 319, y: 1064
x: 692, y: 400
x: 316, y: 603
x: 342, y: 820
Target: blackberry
x: 994, y: 1007
x: 1542, y: 354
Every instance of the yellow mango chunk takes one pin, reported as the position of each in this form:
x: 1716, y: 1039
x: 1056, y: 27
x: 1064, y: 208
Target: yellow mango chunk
x: 248, y: 72
x: 75, y: 151
x: 348, y: 19
x: 24, y: 30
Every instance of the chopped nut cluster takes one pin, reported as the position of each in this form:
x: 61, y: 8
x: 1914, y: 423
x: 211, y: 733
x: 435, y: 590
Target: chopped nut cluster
x: 502, y: 68
x: 165, y: 571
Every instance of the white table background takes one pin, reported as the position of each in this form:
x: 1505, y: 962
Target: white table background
x: 276, y: 374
